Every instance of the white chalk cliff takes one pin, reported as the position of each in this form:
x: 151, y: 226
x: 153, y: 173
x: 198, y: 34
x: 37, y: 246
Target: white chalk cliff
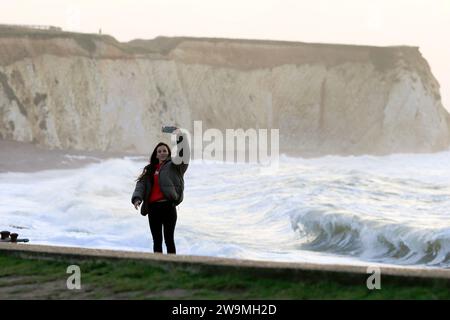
x: 91, y: 92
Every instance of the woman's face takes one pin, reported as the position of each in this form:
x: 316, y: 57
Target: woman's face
x: 162, y: 153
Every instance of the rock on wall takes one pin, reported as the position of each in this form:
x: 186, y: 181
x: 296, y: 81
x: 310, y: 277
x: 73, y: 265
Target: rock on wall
x: 90, y: 92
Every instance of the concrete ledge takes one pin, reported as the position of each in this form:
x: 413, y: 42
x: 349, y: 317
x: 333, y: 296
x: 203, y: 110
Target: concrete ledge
x: 57, y: 252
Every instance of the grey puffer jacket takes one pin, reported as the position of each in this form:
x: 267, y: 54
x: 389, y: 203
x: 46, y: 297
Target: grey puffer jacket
x: 171, y: 182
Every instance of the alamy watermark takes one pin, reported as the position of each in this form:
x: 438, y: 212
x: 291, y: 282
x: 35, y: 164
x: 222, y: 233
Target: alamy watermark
x: 374, y: 280
x: 234, y: 145
x: 74, y: 280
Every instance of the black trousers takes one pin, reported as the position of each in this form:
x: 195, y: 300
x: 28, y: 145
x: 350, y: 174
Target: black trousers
x: 162, y: 219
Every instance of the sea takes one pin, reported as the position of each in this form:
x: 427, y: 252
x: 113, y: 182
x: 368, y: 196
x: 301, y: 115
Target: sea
x: 357, y: 210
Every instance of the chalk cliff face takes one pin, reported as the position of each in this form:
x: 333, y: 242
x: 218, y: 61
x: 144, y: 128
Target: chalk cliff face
x: 90, y: 92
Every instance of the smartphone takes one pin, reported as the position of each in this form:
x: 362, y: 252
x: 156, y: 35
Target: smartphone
x: 168, y: 129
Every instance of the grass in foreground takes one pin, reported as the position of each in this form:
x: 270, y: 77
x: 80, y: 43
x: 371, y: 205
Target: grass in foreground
x: 32, y: 278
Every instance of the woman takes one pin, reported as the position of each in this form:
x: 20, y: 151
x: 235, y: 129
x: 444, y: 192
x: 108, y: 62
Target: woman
x: 160, y: 188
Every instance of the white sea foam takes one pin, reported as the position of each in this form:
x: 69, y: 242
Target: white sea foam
x: 391, y: 209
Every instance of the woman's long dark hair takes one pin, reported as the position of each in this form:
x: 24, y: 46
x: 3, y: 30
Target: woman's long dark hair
x: 151, y: 167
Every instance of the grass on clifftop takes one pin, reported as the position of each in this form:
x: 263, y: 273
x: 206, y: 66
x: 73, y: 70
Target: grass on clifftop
x: 30, y: 278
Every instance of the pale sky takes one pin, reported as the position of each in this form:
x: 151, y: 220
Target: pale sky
x: 423, y: 23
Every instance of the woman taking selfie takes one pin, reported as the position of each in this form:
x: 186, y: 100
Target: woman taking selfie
x: 160, y: 189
